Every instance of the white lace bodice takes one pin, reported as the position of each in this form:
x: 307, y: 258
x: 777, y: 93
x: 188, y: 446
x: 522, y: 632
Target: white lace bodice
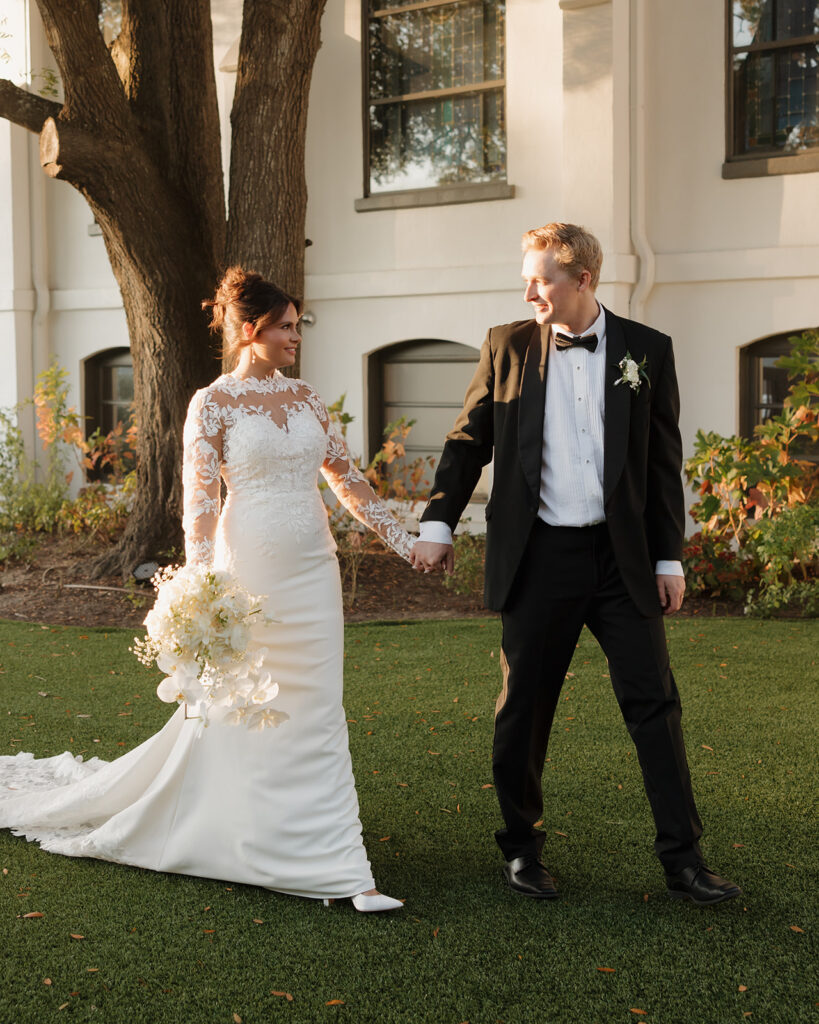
x: 269, y: 438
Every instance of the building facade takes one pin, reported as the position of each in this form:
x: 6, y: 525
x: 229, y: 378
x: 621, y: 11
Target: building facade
x: 683, y: 135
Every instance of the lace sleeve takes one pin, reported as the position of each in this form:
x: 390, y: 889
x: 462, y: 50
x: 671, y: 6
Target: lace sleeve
x: 354, y: 492
x: 201, y: 467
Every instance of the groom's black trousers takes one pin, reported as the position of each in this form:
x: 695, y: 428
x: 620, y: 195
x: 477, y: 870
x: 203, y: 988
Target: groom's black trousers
x: 567, y: 577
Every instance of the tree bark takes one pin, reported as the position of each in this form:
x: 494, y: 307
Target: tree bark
x: 268, y: 188
x: 138, y: 136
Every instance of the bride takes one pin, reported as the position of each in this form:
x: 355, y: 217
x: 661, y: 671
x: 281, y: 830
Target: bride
x: 276, y: 808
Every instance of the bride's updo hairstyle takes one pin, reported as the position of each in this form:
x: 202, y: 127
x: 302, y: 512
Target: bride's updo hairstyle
x: 245, y: 297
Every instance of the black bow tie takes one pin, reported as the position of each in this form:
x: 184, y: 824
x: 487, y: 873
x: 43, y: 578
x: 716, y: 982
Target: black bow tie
x: 565, y: 341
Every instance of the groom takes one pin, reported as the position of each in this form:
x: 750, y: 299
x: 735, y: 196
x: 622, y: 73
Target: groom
x: 579, y: 408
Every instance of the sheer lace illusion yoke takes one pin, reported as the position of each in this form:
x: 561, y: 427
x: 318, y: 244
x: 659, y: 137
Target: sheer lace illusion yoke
x: 269, y: 438
x: 276, y: 808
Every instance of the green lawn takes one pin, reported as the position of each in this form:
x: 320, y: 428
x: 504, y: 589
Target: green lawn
x: 163, y: 948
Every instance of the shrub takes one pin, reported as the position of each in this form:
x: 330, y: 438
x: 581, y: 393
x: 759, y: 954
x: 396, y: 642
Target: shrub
x: 757, y: 502
x: 470, y: 557
x: 742, y: 481
x: 390, y: 475
x: 34, y: 498
x: 714, y: 569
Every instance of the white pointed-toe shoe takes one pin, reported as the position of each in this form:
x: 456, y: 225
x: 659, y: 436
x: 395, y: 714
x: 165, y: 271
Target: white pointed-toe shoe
x: 371, y: 903
x: 377, y: 901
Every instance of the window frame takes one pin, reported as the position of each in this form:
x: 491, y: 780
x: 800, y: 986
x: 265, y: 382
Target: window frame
x: 755, y: 165
x: 432, y: 195
x: 750, y: 400
x: 93, y: 368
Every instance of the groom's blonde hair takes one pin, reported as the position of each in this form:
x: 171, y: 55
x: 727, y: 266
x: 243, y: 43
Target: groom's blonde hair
x: 574, y: 248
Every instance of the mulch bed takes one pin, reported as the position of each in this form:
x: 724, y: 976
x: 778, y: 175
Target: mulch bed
x: 55, y: 586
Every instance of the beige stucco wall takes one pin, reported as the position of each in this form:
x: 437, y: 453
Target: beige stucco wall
x: 726, y: 262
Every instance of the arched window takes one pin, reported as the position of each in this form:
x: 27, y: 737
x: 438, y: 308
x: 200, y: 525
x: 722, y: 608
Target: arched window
x: 423, y: 380
x: 763, y: 384
x: 109, y: 389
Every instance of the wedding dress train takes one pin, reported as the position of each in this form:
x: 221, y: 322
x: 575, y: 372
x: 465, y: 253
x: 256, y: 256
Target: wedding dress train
x: 276, y: 808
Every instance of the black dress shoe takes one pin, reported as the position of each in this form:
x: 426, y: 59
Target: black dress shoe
x: 700, y: 885
x: 529, y: 877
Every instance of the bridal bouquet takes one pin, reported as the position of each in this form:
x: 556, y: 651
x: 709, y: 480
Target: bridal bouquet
x: 199, y: 634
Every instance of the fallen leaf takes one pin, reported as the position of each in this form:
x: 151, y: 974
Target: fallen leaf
x: 488, y: 785
x: 743, y: 988
x: 706, y: 747
x: 63, y: 1006
x: 793, y: 928
x: 75, y: 936
x: 739, y: 846
x: 645, y: 897
x: 402, y: 784
x: 383, y: 839
x: 561, y: 834
x: 537, y: 824
x: 237, y: 1019
x: 46, y: 981
x: 34, y: 913
x: 607, y: 970
x: 286, y: 995
x: 334, y: 1002
x: 208, y: 931
x: 92, y: 970
x: 435, y: 933
x: 258, y: 920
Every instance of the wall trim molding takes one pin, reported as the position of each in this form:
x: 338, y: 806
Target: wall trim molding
x: 578, y: 5
x: 770, y: 264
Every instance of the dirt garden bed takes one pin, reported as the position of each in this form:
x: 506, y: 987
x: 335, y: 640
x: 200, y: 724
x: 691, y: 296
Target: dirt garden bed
x: 55, y: 586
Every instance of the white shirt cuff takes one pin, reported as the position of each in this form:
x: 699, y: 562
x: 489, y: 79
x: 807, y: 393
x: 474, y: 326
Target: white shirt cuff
x: 435, y: 531
x: 666, y: 568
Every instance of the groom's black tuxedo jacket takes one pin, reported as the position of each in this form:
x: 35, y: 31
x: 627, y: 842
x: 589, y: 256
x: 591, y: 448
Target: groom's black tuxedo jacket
x: 504, y: 409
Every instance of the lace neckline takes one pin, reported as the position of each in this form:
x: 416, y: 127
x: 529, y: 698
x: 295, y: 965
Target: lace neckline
x: 237, y: 386
x: 254, y: 379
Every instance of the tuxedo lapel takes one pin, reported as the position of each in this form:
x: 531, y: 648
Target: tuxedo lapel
x: 617, y: 407
x: 531, y: 406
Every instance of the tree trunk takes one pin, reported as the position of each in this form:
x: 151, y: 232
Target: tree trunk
x: 268, y: 189
x: 138, y: 136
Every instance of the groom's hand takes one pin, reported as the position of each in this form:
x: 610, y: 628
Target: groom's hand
x: 671, y: 590
x: 428, y: 556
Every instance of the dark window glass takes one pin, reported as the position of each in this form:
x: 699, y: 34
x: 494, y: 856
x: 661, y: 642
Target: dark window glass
x: 109, y: 390
x: 775, y: 56
x: 425, y: 381
x: 764, y: 385
x: 435, y: 93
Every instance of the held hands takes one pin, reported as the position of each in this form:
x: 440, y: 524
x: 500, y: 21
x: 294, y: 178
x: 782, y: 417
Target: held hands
x: 428, y: 556
x: 671, y: 590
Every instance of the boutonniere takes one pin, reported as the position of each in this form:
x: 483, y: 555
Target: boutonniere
x: 632, y: 373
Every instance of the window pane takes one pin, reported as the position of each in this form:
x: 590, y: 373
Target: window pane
x: 437, y: 48
x: 421, y: 143
x: 796, y: 18
x: 775, y: 96
x: 765, y: 21
x: 437, y: 142
x: 124, y: 383
x: 752, y: 21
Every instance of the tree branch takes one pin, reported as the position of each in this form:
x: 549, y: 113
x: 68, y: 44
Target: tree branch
x: 25, y: 108
x: 93, y: 91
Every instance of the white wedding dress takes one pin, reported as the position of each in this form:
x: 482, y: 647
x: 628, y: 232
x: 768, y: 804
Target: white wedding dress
x: 276, y: 808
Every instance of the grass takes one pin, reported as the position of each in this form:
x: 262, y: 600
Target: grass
x: 164, y: 948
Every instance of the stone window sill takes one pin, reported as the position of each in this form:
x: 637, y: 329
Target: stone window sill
x: 762, y: 167
x: 444, y: 195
